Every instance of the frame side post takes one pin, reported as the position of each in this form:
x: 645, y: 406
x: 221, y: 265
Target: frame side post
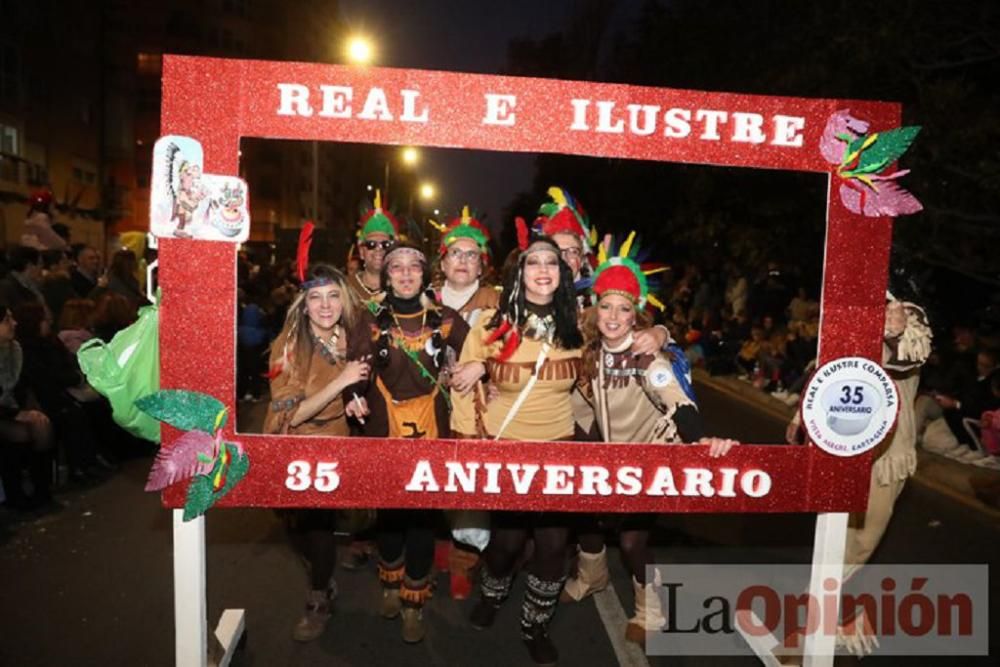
x: 190, y: 608
x: 828, y: 563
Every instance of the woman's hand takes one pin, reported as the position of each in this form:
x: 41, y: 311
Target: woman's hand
x: 465, y: 376
x: 354, y: 372
x: 718, y: 447
x: 492, y: 393
x: 649, y: 341
x: 357, y: 407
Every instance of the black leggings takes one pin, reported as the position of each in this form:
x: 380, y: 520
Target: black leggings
x: 314, y: 532
x: 407, y: 535
x: 509, y: 533
x: 26, y: 444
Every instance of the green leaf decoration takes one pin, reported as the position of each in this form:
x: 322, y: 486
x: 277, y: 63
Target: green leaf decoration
x: 888, y: 148
x: 185, y: 410
x: 201, y: 496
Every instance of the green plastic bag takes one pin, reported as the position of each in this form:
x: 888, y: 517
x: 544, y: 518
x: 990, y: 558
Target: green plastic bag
x: 126, y: 369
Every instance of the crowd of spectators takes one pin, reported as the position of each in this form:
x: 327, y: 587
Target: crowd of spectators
x: 760, y: 327
x: 55, y: 431
x: 764, y: 329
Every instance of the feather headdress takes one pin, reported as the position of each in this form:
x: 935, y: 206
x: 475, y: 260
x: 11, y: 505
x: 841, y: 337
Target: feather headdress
x: 622, y: 272
x: 466, y: 226
x: 565, y: 215
x: 377, y: 220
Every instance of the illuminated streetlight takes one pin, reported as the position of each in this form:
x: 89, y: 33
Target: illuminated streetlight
x: 426, y: 191
x: 360, y: 50
x: 411, y: 156
x: 369, y: 188
x: 437, y: 211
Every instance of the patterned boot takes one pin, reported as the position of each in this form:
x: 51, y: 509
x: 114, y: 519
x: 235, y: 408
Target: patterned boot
x: 540, y: 600
x: 494, y: 590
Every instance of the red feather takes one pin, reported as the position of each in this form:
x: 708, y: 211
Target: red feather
x: 522, y: 233
x: 510, y: 346
x: 302, y: 256
x: 498, y: 332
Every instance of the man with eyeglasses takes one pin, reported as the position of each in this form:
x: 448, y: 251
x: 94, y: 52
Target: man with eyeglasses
x: 378, y: 229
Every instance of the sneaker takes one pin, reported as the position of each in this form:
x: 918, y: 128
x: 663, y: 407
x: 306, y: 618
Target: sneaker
x: 313, y: 622
x: 540, y: 646
x: 484, y: 613
x: 391, y: 604
x: 968, y: 455
x: 413, y: 625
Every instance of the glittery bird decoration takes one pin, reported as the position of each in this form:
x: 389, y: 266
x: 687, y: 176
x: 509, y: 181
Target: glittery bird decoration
x: 861, y: 158
x: 200, y: 455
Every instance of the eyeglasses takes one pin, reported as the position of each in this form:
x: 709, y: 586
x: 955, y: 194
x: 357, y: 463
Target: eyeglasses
x: 371, y: 245
x: 571, y: 253
x: 459, y: 255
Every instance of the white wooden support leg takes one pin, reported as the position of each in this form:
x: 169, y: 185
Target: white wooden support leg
x: 827, y: 564
x: 190, y: 609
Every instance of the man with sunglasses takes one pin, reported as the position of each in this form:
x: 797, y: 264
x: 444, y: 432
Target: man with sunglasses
x: 378, y: 229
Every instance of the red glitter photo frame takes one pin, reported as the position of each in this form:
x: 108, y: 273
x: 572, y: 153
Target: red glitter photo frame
x: 218, y: 102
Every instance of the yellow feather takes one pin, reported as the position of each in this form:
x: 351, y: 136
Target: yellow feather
x: 656, y: 270
x: 593, y: 236
x: 436, y: 225
x: 602, y: 254
x: 623, y: 251
x: 557, y: 195
x: 655, y: 302
x: 465, y: 215
x: 378, y: 200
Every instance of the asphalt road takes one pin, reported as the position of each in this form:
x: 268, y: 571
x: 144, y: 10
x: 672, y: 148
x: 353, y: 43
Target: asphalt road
x: 92, y: 584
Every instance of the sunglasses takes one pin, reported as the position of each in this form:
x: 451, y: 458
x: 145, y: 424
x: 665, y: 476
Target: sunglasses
x: 371, y: 245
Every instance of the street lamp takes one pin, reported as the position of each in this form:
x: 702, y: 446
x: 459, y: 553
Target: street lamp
x: 360, y: 50
x: 427, y: 191
x: 410, y: 156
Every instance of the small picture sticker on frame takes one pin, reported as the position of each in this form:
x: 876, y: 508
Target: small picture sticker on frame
x: 186, y: 203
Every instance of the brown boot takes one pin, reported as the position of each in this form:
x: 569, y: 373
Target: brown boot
x: 391, y: 577
x: 314, y: 620
x: 413, y: 595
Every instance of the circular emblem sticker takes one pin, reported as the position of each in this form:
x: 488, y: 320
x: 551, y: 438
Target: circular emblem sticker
x: 850, y: 406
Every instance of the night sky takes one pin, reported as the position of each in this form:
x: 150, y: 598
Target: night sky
x: 464, y: 36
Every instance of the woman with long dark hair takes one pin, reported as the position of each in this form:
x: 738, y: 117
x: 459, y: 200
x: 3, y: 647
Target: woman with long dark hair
x: 313, y: 370
x: 530, y: 348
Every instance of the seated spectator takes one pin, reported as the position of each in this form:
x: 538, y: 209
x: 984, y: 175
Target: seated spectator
x: 53, y: 377
x: 57, y: 287
x: 25, y: 434
x: 113, y: 313
x: 121, y: 279
x: 802, y: 308
x: 86, y: 270
x: 76, y: 324
x: 747, y: 358
x: 23, y: 283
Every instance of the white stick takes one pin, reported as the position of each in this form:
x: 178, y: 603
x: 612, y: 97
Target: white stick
x: 357, y: 402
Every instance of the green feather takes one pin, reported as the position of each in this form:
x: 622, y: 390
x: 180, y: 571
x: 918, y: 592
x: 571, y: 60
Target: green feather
x: 185, y: 410
x: 200, y: 495
x: 888, y: 148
